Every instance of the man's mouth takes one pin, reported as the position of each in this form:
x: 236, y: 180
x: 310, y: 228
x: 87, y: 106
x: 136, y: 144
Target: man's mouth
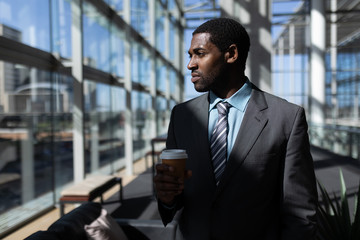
x: 194, y: 77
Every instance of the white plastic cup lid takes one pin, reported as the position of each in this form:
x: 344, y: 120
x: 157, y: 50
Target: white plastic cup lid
x: 173, y: 154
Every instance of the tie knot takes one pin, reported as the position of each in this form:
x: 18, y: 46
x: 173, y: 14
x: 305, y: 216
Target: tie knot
x: 223, y: 107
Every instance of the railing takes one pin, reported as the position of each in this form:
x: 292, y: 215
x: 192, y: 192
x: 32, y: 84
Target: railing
x: 342, y: 140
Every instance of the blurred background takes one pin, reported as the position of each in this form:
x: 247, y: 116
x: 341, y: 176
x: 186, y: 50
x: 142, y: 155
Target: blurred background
x: 86, y: 84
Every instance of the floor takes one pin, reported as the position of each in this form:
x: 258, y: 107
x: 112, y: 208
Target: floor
x: 142, y: 177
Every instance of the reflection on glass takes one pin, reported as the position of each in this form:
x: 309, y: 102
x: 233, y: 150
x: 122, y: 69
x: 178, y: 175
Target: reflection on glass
x: 140, y: 17
x: 173, y: 84
x: 26, y: 22
x: 141, y: 65
x: 96, y: 38
x: 117, y: 51
x: 172, y: 36
x: 62, y: 128
x: 172, y: 104
x: 161, y: 116
x: 141, y: 105
x: 161, y: 75
x: 172, y: 5
x: 25, y: 129
x: 104, y: 124
x: 61, y: 27
x: 35, y: 129
x: 117, y: 5
x: 118, y: 107
x: 160, y: 28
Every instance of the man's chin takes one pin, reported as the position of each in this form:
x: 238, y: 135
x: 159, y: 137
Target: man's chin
x: 201, y: 88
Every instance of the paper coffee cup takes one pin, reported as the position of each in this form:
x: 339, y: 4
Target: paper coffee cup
x: 175, y: 158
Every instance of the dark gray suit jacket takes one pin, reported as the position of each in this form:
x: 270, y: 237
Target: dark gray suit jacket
x: 268, y: 189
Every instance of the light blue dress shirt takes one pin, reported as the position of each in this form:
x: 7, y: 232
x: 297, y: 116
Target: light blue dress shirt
x: 239, y: 102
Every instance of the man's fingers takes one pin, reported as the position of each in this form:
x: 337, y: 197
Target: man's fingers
x: 188, y: 174
x: 168, y: 186
x: 160, y: 168
x: 165, y: 186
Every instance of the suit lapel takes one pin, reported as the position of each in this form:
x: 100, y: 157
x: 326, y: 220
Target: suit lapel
x: 252, y: 125
x: 200, y: 121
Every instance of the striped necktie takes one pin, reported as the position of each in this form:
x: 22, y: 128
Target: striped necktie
x: 219, y: 141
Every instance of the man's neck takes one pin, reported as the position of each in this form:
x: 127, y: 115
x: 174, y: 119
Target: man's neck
x: 232, y: 87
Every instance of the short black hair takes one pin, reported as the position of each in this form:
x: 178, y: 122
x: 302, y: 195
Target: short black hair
x: 224, y: 32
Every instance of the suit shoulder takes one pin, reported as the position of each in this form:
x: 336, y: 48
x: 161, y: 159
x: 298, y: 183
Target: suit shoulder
x: 280, y: 103
x: 192, y: 102
x: 271, y: 99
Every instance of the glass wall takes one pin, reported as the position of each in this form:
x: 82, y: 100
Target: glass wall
x: 290, y: 69
x: 61, y: 140
x: 42, y: 76
x: 142, y: 118
x: 23, y: 18
x: 96, y: 38
x: 292, y: 46
x: 161, y: 116
x: 343, y: 102
x: 104, y: 126
x: 140, y: 65
x: 60, y: 27
x: 339, y: 127
x: 117, y: 51
x: 140, y: 17
x: 35, y: 138
x: 160, y: 27
x: 161, y: 75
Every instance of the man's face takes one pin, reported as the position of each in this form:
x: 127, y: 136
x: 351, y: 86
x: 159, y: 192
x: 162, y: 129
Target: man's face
x: 206, y: 63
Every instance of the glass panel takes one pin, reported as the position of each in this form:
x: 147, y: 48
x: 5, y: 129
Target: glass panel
x: 140, y: 17
x: 118, y: 106
x: 172, y: 104
x: 117, y: 5
x: 61, y: 27
x: 101, y: 146
x: 96, y: 39
x: 172, y: 36
x: 164, y: 2
x: 142, y: 117
x: 290, y: 66
x: 172, y: 5
x: 62, y: 127
x: 26, y: 149
x: 141, y: 65
x: 173, y: 82
x: 160, y: 28
x: 117, y: 51
x: 161, y: 76
x: 26, y: 22
x: 161, y: 116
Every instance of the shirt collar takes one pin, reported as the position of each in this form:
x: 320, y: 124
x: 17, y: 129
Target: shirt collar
x: 238, y: 100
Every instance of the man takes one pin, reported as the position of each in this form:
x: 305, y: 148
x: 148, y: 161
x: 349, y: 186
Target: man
x: 265, y: 188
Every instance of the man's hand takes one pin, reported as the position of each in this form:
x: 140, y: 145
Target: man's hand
x: 168, y: 186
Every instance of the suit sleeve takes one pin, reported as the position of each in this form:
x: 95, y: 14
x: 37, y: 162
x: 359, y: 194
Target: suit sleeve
x: 167, y: 213
x: 299, y: 185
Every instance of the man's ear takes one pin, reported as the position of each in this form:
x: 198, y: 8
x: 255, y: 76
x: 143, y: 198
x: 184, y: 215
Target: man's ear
x: 232, y: 54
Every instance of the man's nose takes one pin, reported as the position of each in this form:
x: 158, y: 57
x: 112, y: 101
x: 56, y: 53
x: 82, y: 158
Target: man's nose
x: 192, y: 64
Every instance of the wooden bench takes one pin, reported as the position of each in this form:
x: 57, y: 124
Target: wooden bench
x: 89, y: 189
